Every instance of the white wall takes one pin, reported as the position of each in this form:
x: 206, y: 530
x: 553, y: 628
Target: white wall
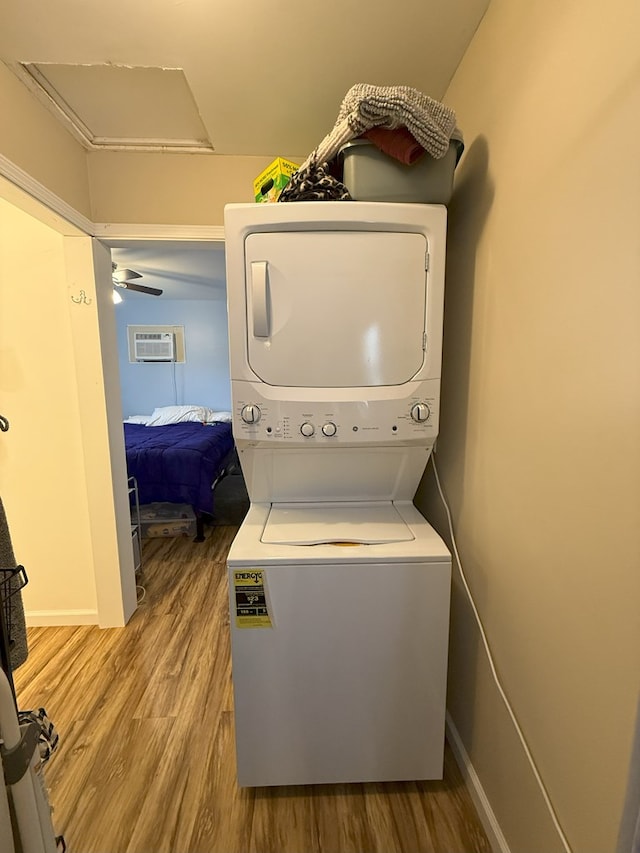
x: 539, y: 449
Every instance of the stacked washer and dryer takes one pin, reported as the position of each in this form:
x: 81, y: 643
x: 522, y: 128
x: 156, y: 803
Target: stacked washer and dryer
x: 339, y: 588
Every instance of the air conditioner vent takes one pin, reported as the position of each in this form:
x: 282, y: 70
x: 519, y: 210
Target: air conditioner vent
x: 154, y: 346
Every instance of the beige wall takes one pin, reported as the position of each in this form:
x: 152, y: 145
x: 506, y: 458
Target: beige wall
x: 62, y: 475
x: 88, y: 267
x: 176, y: 189
x: 32, y: 139
x: 120, y: 187
x: 42, y: 470
x: 539, y: 451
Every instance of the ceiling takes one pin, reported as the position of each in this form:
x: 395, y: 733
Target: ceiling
x: 266, y: 78
x: 235, y: 77
x: 180, y: 270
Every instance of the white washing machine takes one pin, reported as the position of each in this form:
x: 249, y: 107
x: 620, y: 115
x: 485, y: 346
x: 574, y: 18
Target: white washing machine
x: 339, y: 589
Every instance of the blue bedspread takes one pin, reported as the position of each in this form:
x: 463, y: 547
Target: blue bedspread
x: 177, y: 463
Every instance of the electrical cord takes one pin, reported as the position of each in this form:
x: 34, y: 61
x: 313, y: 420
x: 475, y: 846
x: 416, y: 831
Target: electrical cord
x: 175, y: 385
x: 492, y: 665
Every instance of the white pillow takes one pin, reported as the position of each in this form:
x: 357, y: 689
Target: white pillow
x: 137, y: 419
x: 217, y: 417
x: 164, y: 415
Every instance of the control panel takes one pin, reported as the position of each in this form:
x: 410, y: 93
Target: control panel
x: 297, y: 422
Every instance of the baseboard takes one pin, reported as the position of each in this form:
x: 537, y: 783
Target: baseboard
x: 480, y: 799
x: 48, y: 618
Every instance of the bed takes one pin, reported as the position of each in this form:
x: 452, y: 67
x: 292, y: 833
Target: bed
x: 178, y: 454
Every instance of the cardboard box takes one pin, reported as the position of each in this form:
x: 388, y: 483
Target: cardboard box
x: 270, y: 183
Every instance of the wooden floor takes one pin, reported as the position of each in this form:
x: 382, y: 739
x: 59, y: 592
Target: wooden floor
x: 146, y: 757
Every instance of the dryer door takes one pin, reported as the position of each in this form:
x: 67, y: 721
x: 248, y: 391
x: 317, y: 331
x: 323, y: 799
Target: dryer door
x: 336, y: 309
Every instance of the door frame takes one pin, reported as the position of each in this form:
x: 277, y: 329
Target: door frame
x: 113, y: 584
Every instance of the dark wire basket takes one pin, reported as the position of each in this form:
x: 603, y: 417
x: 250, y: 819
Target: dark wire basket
x: 11, y: 582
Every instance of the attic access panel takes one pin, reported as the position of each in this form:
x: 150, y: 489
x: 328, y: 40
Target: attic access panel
x: 121, y: 107
x: 336, y: 309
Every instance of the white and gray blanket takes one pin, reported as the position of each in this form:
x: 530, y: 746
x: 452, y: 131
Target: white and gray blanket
x: 365, y: 106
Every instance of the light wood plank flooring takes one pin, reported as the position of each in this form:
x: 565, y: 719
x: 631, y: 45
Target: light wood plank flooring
x: 146, y: 756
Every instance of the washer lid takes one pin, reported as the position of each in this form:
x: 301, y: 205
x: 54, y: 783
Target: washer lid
x: 369, y: 523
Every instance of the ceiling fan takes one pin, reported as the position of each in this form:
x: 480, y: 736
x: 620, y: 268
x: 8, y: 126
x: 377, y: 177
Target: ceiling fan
x: 123, y: 278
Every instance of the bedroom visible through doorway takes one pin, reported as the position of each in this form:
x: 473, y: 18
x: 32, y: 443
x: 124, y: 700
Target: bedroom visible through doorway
x: 172, y: 341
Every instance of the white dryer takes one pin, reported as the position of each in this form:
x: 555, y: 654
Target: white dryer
x: 339, y: 589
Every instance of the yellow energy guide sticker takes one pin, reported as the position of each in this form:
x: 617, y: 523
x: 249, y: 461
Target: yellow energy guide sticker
x: 249, y: 586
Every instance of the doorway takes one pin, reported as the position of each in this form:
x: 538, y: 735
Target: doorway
x: 59, y: 461
x: 185, y: 292
x: 62, y: 465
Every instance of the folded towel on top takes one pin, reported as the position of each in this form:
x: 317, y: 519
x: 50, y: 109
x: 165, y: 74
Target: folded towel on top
x: 365, y: 106
x: 397, y: 143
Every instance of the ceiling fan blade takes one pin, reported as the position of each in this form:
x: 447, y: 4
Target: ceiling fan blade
x: 125, y: 275
x: 142, y: 288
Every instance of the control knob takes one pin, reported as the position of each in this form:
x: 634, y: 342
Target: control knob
x: 420, y: 412
x: 307, y: 429
x: 250, y: 414
x: 329, y: 429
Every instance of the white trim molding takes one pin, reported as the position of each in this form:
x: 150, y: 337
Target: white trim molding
x: 109, y: 231
x: 38, y: 191
x: 480, y: 800
x: 52, y: 618
x: 105, y: 231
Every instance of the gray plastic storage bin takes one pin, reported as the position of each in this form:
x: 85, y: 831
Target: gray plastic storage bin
x: 371, y: 175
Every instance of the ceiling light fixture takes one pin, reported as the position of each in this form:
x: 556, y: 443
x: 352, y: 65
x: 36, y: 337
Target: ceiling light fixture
x: 117, y: 299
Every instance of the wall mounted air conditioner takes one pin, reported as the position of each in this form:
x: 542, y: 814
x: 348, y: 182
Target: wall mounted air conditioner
x: 154, y: 346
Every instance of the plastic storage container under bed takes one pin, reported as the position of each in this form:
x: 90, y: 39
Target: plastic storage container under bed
x: 371, y: 175
x: 166, y: 520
